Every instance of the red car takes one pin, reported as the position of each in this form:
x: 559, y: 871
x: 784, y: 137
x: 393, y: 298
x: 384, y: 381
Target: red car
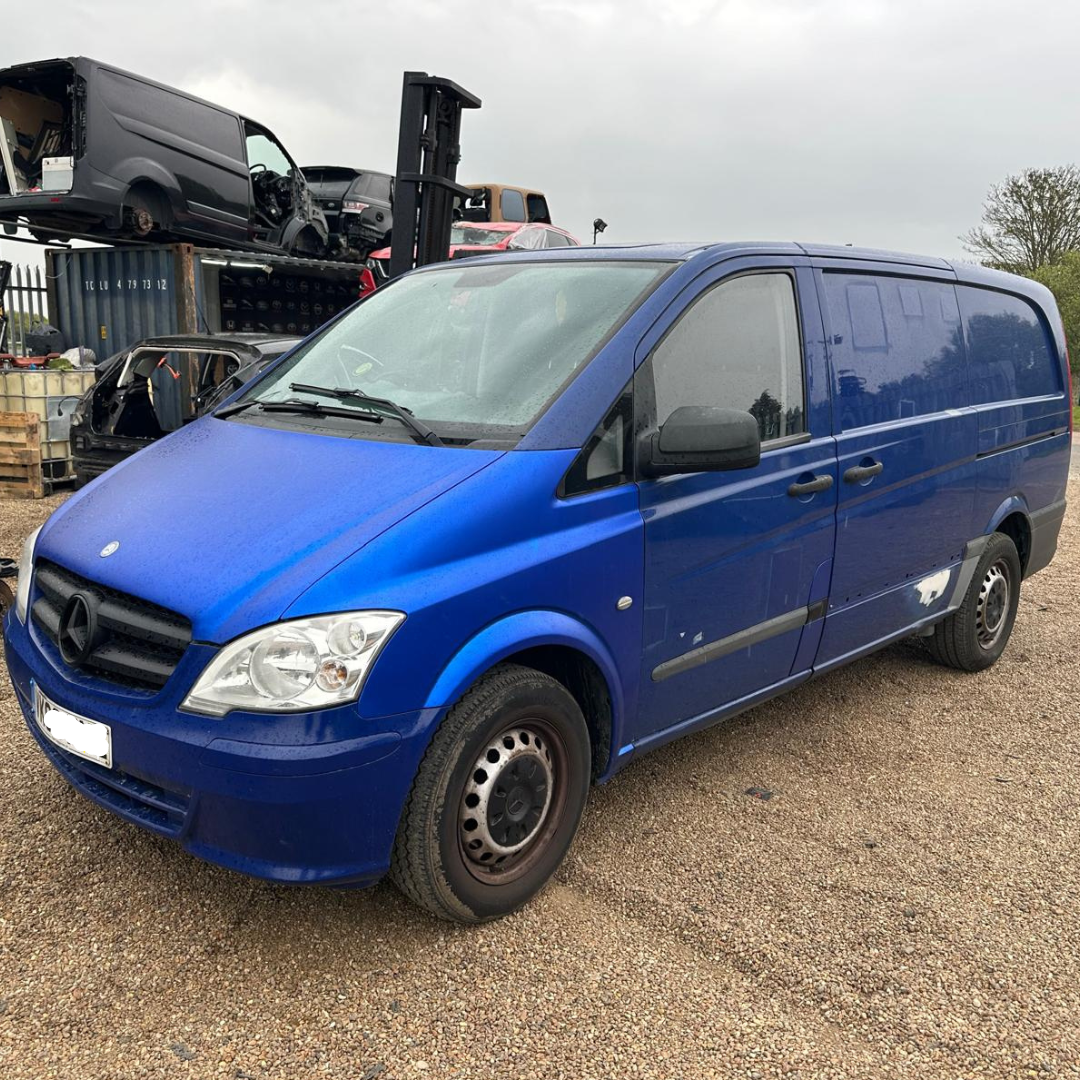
x: 468, y: 238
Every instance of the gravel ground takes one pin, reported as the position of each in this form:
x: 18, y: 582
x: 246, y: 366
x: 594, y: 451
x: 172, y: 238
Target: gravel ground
x: 906, y: 904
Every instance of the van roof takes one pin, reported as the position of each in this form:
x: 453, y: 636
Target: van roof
x: 683, y: 251
x: 967, y: 273
x: 80, y: 63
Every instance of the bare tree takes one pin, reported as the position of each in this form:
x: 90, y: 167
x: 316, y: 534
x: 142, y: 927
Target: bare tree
x: 1030, y: 220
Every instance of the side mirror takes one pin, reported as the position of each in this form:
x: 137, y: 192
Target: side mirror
x: 703, y: 438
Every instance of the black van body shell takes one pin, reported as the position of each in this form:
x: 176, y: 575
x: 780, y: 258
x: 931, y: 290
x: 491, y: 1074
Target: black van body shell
x: 144, y: 157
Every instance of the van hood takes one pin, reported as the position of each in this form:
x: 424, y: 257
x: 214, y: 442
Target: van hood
x: 227, y: 522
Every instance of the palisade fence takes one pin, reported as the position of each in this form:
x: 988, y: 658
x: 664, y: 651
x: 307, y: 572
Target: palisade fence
x: 25, y: 305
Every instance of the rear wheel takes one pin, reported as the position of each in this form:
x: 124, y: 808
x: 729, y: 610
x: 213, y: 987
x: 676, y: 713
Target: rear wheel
x: 497, y: 799
x: 974, y: 637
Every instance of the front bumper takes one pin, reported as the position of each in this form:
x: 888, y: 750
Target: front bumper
x: 305, y: 798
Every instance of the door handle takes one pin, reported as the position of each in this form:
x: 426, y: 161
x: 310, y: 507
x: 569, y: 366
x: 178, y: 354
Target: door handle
x: 858, y: 473
x: 821, y: 482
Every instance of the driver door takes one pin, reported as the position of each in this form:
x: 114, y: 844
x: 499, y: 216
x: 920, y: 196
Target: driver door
x: 272, y: 183
x: 737, y: 563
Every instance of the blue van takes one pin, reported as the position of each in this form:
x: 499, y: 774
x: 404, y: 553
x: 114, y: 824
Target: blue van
x: 508, y: 524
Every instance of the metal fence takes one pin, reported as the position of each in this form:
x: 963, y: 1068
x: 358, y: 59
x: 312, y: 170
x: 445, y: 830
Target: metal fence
x: 25, y: 305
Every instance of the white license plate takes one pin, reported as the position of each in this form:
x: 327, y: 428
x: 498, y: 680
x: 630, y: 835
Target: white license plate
x: 78, y: 735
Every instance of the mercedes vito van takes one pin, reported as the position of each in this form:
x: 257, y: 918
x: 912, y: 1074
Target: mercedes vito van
x: 508, y: 524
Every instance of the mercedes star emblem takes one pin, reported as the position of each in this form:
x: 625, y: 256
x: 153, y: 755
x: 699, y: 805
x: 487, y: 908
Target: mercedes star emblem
x: 77, y: 636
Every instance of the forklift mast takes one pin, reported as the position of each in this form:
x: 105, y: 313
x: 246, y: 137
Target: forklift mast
x: 429, y: 150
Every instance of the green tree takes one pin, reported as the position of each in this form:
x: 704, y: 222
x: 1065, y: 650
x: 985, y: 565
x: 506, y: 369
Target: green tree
x: 1029, y: 221
x: 1063, y: 280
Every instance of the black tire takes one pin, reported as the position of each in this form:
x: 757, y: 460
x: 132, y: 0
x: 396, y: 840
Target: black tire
x: 454, y: 869
x: 973, y: 637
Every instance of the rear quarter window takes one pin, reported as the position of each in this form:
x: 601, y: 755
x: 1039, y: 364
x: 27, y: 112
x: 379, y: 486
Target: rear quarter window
x: 380, y: 188
x: 1009, y: 347
x: 896, y: 345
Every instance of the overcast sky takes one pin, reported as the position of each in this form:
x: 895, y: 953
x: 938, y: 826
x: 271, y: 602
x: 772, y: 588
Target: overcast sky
x: 876, y: 122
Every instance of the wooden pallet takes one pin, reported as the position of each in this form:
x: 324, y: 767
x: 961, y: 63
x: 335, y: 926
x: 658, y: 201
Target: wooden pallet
x: 20, y: 456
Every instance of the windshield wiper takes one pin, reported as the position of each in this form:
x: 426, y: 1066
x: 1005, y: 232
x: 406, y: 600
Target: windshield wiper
x: 234, y: 408
x: 342, y: 393
x: 295, y: 405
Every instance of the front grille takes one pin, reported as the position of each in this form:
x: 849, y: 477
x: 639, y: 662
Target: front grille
x: 138, y: 643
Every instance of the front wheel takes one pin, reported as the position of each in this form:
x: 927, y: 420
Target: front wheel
x: 497, y: 799
x: 974, y: 636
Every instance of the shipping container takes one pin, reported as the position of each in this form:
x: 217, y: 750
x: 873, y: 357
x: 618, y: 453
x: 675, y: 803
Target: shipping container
x: 109, y: 298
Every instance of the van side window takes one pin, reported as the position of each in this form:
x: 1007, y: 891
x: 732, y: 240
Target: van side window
x: 264, y: 149
x: 1008, y: 350
x: 538, y: 208
x: 896, y: 347
x: 605, y: 459
x: 513, y: 205
x: 736, y: 347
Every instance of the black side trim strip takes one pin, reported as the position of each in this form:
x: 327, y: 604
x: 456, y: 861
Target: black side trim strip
x: 817, y: 609
x: 973, y: 552
x: 743, y: 639
x: 1045, y: 528
x: 1023, y: 442
x: 1054, y: 512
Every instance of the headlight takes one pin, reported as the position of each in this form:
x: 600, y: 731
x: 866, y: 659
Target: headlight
x: 294, y: 666
x: 26, y: 572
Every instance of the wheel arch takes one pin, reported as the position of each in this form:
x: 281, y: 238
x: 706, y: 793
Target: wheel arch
x: 1012, y: 519
x: 557, y: 645
x: 297, y: 225
x: 144, y: 175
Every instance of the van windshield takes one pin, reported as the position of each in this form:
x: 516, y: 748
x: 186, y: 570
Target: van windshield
x: 479, y: 347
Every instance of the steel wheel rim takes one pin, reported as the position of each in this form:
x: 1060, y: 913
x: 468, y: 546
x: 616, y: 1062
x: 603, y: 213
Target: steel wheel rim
x: 992, y: 609
x: 526, y: 784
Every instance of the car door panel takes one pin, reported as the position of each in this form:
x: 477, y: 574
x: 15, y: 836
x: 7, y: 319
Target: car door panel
x: 727, y: 559
x: 733, y: 559
x: 906, y: 439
